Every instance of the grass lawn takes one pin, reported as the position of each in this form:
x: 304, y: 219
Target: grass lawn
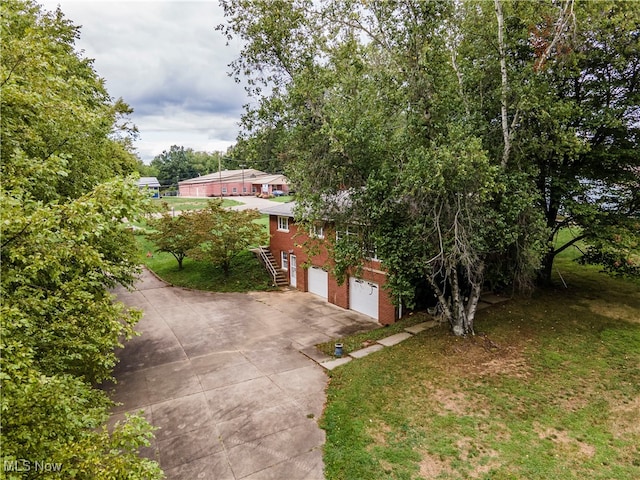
x: 180, y: 203
x: 264, y: 221
x: 247, y: 273
x: 283, y: 199
x: 549, y: 390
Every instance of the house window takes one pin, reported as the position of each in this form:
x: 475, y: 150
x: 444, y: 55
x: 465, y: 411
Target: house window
x: 234, y: 190
x: 283, y: 224
x: 224, y: 189
x: 350, y: 231
x: 372, y: 253
x: 355, y: 233
x: 284, y: 260
x: 244, y: 189
x: 254, y: 189
x: 317, y: 231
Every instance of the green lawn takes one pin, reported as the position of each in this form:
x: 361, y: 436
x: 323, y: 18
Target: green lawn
x: 264, y: 221
x: 283, y: 199
x: 179, y: 203
x: 247, y: 274
x: 575, y: 251
x: 549, y: 390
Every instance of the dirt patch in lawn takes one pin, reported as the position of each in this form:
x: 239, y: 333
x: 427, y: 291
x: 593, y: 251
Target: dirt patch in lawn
x: 432, y: 466
x: 614, y: 311
x: 625, y: 418
x: 379, y: 433
x: 452, y: 402
x: 564, y: 441
x: 480, y: 458
x: 481, y: 355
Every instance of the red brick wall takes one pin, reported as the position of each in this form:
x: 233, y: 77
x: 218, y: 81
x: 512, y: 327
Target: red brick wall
x: 214, y: 189
x: 338, y: 294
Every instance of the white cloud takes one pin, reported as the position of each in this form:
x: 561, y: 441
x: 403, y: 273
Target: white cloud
x: 167, y: 61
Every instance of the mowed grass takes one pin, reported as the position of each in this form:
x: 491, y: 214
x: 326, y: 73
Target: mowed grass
x: 549, y: 388
x: 247, y: 274
x: 264, y: 222
x: 180, y: 204
x: 283, y: 199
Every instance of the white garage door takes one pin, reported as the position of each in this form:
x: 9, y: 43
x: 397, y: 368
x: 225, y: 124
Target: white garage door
x: 363, y: 296
x: 318, y: 282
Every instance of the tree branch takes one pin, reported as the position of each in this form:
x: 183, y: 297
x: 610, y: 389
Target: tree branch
x: 566, y: 14
x: 568, y: 244
x: 20, y: 60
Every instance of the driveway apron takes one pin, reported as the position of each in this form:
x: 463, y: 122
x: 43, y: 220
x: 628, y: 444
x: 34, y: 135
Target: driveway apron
x: 222, y: 377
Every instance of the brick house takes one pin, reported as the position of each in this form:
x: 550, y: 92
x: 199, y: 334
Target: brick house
x: 362, y: 292
x: 233, y: 182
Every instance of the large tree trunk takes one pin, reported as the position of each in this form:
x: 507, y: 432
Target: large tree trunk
x: 544, y: 274
x: 472, y: 305
x: 456, y: 309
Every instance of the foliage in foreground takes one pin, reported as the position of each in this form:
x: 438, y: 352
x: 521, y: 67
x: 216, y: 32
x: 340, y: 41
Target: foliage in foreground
x: 63, y: 247
x: 548, y: 390
x: 59, y: 330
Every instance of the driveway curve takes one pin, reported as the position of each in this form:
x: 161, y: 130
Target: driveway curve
x: 250, y: 201
x: 222, y: 377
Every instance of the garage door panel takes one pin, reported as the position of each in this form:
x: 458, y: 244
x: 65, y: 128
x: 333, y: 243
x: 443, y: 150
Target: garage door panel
x: 318, y: 282
x: 363, y: 296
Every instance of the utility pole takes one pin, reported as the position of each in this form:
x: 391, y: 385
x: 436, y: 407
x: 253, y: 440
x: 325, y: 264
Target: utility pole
x: 243, y: 189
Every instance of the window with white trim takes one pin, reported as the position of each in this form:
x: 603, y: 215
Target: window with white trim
x: 284, y: 260
x: 317, y: 230
x: 234, y: 190
x: 355, y: 233
x: 283, y: 224
x: 224, y: 189
x: 349, y: 231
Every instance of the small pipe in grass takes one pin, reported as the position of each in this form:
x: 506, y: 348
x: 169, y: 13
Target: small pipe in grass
x: 560, y: 275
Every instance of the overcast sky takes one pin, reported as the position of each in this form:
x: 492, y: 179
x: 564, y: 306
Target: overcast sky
x: 167, y: 61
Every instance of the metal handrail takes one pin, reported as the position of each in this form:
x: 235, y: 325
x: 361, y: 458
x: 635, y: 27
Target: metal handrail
x: 268, y: 264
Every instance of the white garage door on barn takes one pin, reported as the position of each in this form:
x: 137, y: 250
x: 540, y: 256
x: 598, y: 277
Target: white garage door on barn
x: 318, y: 282
x: 363, y: 296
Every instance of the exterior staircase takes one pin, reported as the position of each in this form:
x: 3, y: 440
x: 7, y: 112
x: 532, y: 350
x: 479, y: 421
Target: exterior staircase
x: 266, y: 257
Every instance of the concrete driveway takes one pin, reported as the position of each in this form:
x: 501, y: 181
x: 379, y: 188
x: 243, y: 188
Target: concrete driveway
x: 223, y: 378
x: 250, y: 201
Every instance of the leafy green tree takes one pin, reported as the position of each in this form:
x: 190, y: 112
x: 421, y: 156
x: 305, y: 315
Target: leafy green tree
x: 180, y: 163
x: 146, y: 170
x: 370, y: 115
x: 174, y: 235
x: 208, y: 162
x: 358, y: 90
x: 260, y: 151
x: 223, y: 234
x: 63, y: 247
x: 571, y: 110
x: 174, y: 165
x: 43, y: 79
x: 60, y: 326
